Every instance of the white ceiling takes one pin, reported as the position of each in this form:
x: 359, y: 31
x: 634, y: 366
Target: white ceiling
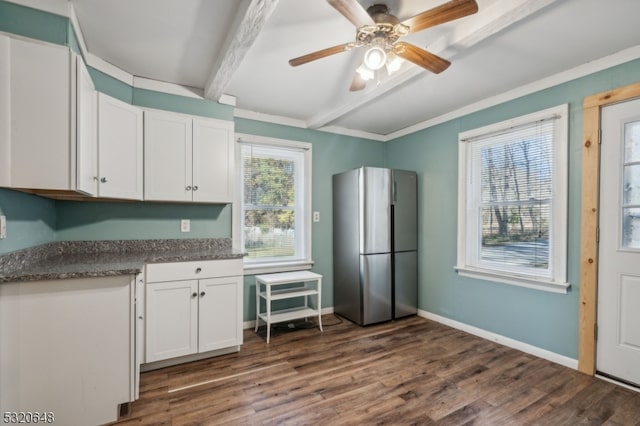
x: 241, y: 48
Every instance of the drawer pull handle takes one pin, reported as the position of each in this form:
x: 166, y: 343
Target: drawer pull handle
x: 194, y: 294
x: 202, y: 294
x: 198, y: 270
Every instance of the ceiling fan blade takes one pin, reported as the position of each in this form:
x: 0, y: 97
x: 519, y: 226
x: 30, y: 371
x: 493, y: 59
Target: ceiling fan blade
x: 353, y: 11
x: 320, y: 54
x: 421, y: 57
x: 446, y: 12
x: 358, y: 83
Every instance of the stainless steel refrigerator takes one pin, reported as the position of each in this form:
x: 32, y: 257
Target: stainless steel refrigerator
x: 375, y: 244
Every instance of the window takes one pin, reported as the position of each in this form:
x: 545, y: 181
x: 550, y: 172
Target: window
x: 512, y: 201
x: 274, y: 200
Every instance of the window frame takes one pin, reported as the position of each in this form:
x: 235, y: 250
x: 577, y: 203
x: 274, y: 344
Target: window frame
x: 556, y: 279
x: 302, y: 262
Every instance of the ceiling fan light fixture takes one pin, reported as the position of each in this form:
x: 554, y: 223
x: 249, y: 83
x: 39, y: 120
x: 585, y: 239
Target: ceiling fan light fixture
x: 394, y: 62
x: 365, y: 73
x: 375, y: 58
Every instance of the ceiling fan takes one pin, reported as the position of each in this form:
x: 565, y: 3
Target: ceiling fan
x: 379, y: 31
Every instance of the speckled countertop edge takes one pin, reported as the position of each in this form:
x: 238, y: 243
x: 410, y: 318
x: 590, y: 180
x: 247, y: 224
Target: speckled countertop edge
x: 77, y: 259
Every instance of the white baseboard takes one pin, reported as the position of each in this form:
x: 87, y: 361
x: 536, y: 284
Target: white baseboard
x: 252, y: 324
x: 506, y: 341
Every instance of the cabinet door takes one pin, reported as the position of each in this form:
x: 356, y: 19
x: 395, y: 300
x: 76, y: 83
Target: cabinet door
x: 66, y: 347
x: 41, y: 106
x: 120, y: 141
x: 172, y: 319
x: 86, y: 133
x: 213, y: 161
x: 220, y: 324
x: 5, y: 115
x: 167, y: 157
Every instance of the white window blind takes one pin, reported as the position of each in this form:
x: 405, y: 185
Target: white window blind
x: 512, y: 189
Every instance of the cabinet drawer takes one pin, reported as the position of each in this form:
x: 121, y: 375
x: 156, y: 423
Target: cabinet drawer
x: 157, y: 272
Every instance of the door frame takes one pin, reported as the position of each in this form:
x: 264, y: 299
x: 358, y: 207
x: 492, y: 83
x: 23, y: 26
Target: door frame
x: 591, y: 135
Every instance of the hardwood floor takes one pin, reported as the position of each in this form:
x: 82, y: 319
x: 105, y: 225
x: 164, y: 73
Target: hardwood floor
x: 410, y: 371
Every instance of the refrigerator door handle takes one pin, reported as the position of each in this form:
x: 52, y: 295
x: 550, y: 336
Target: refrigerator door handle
x: 394, y: 191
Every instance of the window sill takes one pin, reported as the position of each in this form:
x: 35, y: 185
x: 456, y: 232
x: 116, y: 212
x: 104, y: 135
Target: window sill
x: 513, y: 279
x: 267, y: 268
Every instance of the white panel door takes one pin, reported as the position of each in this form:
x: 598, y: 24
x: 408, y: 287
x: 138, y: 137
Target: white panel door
x: 172, y: 319
x: 212, y: 161
x: 120, y: 145
x: 618, y: 344
x: 220, y: 321
x: 167, y: 157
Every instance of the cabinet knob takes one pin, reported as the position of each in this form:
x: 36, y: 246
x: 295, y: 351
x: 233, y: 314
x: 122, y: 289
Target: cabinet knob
x: 103, y: 180
x: 188, y: 188
x: 195, y: 188
x: 202, y: 294
x: 198, y: 270
x: 140, y: 317
x: 194, y: 294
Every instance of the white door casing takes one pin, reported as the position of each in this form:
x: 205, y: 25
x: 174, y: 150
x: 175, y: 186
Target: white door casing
x: 618, y: 317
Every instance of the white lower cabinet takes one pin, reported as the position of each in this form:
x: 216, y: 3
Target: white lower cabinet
x: 192, y: 307
x: 67, y: 348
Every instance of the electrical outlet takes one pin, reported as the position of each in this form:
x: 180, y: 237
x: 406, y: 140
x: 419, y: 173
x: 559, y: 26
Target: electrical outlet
x: 185, y: 225
x: 3, y: 227
x: 316, y: 216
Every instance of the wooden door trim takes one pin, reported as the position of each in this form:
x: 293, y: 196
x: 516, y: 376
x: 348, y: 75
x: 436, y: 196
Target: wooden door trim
x: 592, y: 107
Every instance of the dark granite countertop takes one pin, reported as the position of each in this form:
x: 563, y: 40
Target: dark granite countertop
x: 76, y: 259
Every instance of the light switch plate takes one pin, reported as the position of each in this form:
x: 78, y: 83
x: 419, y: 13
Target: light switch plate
x: 185, y: 225
x: 3, y: 227
x: 316, y: 216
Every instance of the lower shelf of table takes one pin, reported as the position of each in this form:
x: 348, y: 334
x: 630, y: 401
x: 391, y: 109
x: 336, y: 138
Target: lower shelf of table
x: 289, y: 314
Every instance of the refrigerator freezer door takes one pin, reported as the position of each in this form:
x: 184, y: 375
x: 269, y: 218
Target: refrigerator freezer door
x: 375, y: 282
x: 375, y: 210
x: 406, y: 283
x: 405, y: 210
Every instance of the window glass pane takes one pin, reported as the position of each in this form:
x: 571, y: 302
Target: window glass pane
x: 515, y: 184
x: 631, y: 185
x: 516, y: 235
x: 631, y: 228
x: 269, y: 233
x: 272, y: 202
x: 632, y: 142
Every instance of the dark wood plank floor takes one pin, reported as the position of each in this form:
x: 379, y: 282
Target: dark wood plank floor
x: 411, y: 371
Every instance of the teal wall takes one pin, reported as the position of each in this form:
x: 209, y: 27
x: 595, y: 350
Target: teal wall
x: 541, y: 319
x: 31, y: 220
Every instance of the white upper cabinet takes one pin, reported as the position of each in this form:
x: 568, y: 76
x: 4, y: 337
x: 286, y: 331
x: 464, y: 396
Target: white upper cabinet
x: 86, y: 125
x: 44, y: 140
x: 187, y: 159
x: 120, y: 143
x: 213, y: 160
x: 5, y: 113
x: 167, y: 157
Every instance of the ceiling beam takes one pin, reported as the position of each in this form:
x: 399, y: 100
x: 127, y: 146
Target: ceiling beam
x: 250, y: 19
x: 500, y: 15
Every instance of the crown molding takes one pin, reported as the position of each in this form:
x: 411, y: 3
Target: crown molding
x: 601, y: 64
